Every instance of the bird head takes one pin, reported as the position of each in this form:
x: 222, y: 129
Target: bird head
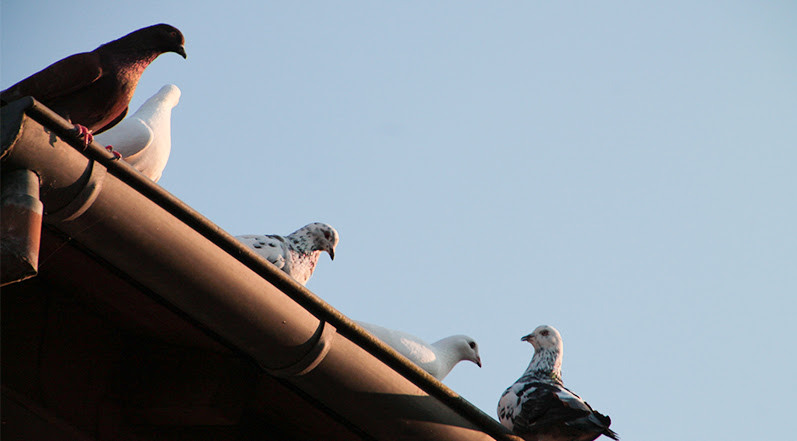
x: 472, y: 352
x: 544, y: 337
x: 461, y: 347
x: 160, y: 37
x: 324, y: 237
x: 171, y: 38
x: 170, y: 93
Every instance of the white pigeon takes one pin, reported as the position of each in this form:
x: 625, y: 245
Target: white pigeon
x: 298, y: 252
x: 144, y: 139
x: 437, y: 358
x: 539, y: 408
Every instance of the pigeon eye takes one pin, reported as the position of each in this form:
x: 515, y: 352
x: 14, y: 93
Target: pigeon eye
x: 327, y: 234
x: 472, y: 345
x: 544, y: 333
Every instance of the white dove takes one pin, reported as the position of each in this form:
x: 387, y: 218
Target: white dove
x: 437, y: 358
x: 144, y: 138
x: 298, y: 252
x: 539, y: 408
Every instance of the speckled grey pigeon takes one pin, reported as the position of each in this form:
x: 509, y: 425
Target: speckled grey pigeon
x: 298, y: 252
x: 539, y: 408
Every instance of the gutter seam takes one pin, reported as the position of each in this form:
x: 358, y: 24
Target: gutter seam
x: 314, y: 357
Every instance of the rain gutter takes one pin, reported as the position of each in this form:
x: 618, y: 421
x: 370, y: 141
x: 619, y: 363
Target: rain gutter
x: 130, y: 222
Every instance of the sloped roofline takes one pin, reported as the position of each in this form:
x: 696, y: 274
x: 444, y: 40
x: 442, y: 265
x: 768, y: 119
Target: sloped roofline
x: 202, y: 270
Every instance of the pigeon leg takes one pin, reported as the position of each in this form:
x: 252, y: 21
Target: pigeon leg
x: 116, y: 155
x: 85, y: 134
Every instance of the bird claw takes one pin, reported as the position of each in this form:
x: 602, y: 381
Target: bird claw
x: 85, y: 134
x: 116, y: 155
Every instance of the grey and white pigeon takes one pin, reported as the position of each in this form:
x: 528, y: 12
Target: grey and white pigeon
x: 298, y: 252
x: 144, y: 139
x: 539, y: 408
x: 437, y: 358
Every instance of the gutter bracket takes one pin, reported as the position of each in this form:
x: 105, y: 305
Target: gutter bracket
x: 313, y: 357
x: 83, y: 200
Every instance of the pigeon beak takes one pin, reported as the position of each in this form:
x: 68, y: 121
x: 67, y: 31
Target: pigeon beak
x: 527, y: 338
x: 181, y: 50
x: 331, y: 252
x: 478, y: 361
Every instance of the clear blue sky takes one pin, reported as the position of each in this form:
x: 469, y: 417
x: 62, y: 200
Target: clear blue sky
x: 624, y: 171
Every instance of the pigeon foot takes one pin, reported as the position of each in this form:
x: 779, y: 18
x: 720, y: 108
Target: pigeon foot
x: 85, y: 134
x: 116, y: 155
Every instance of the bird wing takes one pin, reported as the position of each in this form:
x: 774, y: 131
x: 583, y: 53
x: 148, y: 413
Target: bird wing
x: 114, y: 122
x: 60, y: 78
x: 509, y: 404
x: 272, y: 248
x: 129, y: 138
x: 591, y: 420
x: 410, y: 346
x: 547, y: 404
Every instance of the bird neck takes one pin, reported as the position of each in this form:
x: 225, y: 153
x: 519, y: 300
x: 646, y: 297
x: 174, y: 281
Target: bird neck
x: 303, y: 242
x: 546, y: 365
x: 303, y: 258
x: 129, y: 52
x: 155, y: 108
x: 302, y: 266
x: 448, y: 355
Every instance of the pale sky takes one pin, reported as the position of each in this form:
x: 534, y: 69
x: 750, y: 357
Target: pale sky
x: 623, y: 171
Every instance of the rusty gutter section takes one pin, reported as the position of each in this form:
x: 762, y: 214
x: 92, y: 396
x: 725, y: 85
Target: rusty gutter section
x: 143, y: 230
x: 20, y: 226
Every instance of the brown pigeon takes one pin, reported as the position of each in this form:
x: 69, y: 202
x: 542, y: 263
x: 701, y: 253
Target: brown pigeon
x: 93, y: 89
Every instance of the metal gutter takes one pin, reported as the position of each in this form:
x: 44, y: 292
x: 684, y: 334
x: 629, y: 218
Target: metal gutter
x: 20, y: 226
x: 129, y: 221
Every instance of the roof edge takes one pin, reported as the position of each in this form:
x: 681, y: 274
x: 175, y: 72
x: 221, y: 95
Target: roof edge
x: 33, y: 148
